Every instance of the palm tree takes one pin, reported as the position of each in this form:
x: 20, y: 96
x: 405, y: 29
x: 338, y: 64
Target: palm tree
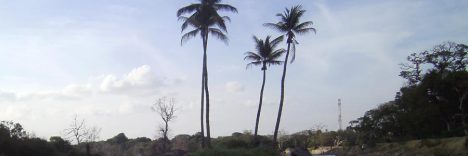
x: 290, y: 25
x: 265, y: 55
x: 205, y: 20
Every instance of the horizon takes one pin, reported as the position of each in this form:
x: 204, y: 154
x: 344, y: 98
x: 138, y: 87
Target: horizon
x: 108, y: 62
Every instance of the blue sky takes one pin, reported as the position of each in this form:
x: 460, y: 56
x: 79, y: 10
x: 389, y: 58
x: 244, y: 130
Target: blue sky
x: 108, y: 61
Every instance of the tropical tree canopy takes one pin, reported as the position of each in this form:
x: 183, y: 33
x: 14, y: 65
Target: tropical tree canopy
x: 205, y: 19
x: 266, y: 52
x: 290, y: 25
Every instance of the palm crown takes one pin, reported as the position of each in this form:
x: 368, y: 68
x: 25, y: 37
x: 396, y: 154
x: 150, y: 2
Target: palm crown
x: 265, y: 52
x: 203, y: 18
x: 290, y: 25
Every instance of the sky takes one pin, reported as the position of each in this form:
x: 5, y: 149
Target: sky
x: 108, y: 61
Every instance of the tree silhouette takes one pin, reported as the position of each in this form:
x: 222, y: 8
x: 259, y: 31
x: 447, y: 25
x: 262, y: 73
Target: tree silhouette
x: 290, y: 25
x: 205, y: 20
x: 265, y: 54
x: 166, y: 109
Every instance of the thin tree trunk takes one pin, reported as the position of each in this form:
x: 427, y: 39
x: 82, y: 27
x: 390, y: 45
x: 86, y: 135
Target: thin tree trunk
x: 280, y: 110
x: 202, y: 100
x: 207, y: 93
x: 260, y: 105
x: 166, y: 139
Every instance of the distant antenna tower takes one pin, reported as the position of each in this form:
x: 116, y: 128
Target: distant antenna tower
x: 339, y: 115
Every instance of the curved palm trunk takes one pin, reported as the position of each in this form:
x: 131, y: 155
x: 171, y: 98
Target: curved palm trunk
x: 280, y: 109
x: 260, y: 105
x: 202, y: 101
x: 207, y: 93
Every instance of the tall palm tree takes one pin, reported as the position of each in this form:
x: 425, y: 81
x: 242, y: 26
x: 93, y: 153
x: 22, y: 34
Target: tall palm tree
x: 205, y: 20
x: 290, y: 25
x: 266, y: 54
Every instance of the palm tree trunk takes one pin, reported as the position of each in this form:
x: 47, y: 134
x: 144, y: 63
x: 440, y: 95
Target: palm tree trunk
x: 207, y: 94
x: 202, y: 100
x: 260, y: 105
x: 280, y: 110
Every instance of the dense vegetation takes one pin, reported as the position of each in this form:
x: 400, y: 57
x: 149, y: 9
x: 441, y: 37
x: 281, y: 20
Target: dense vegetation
x: 431, y: 105
x: 14, y: 140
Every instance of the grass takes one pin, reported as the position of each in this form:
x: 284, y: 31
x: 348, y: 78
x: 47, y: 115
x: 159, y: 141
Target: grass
x: 456, y: 146
x: 223, y: 151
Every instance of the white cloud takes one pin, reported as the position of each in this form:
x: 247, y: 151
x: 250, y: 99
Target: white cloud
x: 234, y: 87
x: 140, y: 81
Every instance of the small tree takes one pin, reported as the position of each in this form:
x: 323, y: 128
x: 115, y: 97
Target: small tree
x: 80, y: 133
x: 77, y: 131
x: 166, y: 109
x: 13, y: 130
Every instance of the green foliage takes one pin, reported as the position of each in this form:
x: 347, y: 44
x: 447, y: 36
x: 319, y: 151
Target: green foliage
x: 15, y: 141
x: 61, y: 145
x: 142, y: 139
x: 118, y: 139
x: 431, y: 105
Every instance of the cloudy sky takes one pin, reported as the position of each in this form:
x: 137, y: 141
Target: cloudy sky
x: 108, y: 61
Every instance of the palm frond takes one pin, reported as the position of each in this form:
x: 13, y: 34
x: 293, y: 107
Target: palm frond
x: 218, y: 34
x: 258, y: 43
x: 278, y: 26
x: 256, y: 63
x: 225, y: 7
x: 277, y: 53
x: 226, y: 18
x: 188, y: 9
x: 303, y: 25
x: 255, y: 38
x: 252, y: 56
x: 192, y: 20
x: 219, y: 21
x: 188, y: 36
x: 185, y: 24
x: 274, y: 62
x: 297, y: 11
x: 276, y: 41
x: 305, y: 30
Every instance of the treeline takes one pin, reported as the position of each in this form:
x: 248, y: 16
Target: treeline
x: 14, y: 140
x: 432, y: 104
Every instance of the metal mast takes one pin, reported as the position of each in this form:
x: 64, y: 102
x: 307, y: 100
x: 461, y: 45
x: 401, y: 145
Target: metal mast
x: 339, y: 114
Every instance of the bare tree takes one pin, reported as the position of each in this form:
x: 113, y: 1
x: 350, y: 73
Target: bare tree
x: 166, y: 109
x: 93, y: 134
x: 81, y: 133
x: 77, y: 131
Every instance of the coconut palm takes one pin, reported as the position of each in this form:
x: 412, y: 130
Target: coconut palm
x: 205, y: 20
x: 290, y: 25
x: 266, y: 54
